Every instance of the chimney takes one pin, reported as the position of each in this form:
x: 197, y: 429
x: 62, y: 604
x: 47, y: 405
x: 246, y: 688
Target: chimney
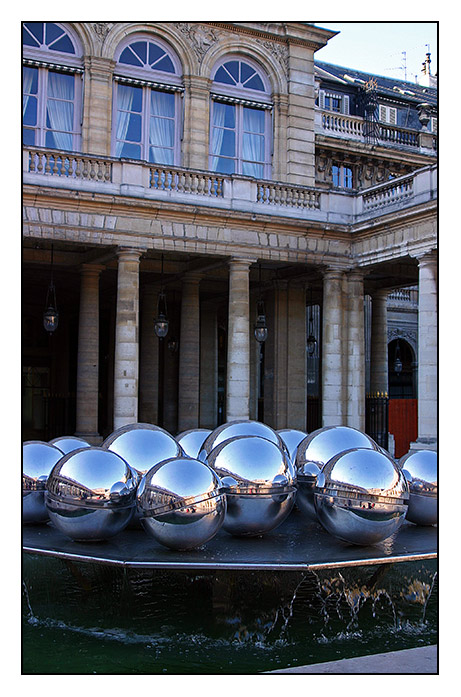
x: 426, y: 79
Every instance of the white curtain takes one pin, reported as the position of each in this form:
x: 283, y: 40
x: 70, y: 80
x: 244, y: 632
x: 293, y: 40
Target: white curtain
x: 253, y: 142
x: 161, y: 128
x: 125, y: 96
x: 27, y: 79
x: 219, y: 113
x: 60, y: 108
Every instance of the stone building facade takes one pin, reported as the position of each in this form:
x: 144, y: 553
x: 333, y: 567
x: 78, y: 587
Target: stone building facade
x: 196, y: 162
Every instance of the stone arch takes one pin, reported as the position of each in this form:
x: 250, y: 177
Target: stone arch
x: 167, y: 33
x: 256, y: 52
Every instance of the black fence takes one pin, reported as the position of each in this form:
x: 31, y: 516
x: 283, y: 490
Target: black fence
x: 377, y: 418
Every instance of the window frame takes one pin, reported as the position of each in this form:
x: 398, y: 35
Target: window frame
x: 390, y: 114
x: 344, y: 101
x: 148, y: 80
x: 47, y: 61
x: 243, y: 97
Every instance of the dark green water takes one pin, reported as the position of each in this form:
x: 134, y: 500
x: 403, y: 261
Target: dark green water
x: 85, y: 618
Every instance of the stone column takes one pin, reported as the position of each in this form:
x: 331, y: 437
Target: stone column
x: 189, y: 354
x: 88, y: 355
x: 332, y: 349
x: 208, y: 365
x: 275, y: 412
x: 355, y: 352
x: 379, y: 379
x: 427, y: 354
x: 126, y: 361
x: 196, y: 121
x: 238, y: 343
x: 296, y: 364
x: 148, y: 360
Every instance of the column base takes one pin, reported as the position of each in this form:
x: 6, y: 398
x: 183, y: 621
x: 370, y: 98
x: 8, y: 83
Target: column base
x: 424, y: 444
x: 91, y: 438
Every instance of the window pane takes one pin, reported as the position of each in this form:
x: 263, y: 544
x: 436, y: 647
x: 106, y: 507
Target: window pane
x: 30, y: 80
x: 246, y: 72
x: 233, y: 68
x: 28, y: 136
x: 166, y: 65
x: 30, y: 113
x: 223, y: 115
x: 155, y: 52
x: 253, y: 147
x: 65, y: 45
x: 52, y: 32
x: 36, y: 29
x: 335, y: 173
x: 60, y: 141
x: 129, y: 98
x: 224, y: 166
x: 253, y: 120
x: 161, y: 156
x: 251, y: 169
x: 140, y: 49
x: 223, y: 76
x: 224, y: 142
x: 162, y: 104
x: 133, y: 132
x: 59, y: 115
x: 129, y: 58
x: 162, y: 132
x: 255, y: 83
x: 61, y: 86
x: 131, y: 151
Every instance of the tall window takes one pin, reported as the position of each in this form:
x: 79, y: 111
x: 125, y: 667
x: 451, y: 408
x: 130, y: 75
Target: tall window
x: 147, y: 103
x: 240, y: 120
x: 336, y: 102
x: 52, y: 84
x: 342, y: 176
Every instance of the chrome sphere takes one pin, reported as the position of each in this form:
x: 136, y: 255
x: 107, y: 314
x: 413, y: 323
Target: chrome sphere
x: 69, y: 443
x: 143, y: 445
x: 191, y: 441
x: 259, y: 482
x: 361, y: 496
x: 181, y: 503
x: 420, y: 470
x: 232, y: 429
x: 91, y: 494
x: 292, y: 438
x: 38, y: 459
x: 315, y: 451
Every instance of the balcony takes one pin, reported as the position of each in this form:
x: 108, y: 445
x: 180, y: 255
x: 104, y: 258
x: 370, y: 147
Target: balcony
x: 328, y: 123
x: 111, y: 176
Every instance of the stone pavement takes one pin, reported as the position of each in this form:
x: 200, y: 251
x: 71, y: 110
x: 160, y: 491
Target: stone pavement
x: 408, y: 661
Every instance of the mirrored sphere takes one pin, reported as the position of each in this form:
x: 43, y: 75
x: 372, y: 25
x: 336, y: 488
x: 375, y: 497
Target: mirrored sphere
x: 315, y: 451
x: 91, y: 494
x: 181, y: 503
x: 143, y: 445
x: 38, y: 459
x: 292, y: 438
x: 68, y: 443
x: 361, y: 496
x: 232, y: 429
x: 259, y: 483
x: 191, y: 441
x: 420, y: 470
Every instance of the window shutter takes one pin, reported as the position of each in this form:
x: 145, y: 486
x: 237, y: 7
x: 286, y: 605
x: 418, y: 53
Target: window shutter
x: 345, y: 104
x: 322, y: 99
x: 392, y: 115
x: 382, y: 113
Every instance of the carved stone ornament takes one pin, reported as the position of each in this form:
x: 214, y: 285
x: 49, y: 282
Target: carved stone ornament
x: 102, y: 29
x: 200, y: 37
x: 278, y: 51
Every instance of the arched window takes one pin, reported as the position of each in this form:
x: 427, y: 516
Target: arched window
x: 52, y: 87
x: 241, y: 122
x: 147, y: 103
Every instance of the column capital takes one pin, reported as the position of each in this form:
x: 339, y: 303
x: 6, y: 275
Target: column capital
x: 425, y: 256
x: 332, y: 271
x: 135, y: 252
x: 91, y: 269
x: 242, y: 261
x: 192, y: 277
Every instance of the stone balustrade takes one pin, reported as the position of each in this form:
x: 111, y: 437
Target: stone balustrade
x: 245, y: 194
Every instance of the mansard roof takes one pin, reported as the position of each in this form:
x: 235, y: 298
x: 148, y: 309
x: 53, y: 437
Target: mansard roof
x: 386, y: 86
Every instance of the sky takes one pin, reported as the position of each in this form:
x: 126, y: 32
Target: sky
x: 382, y: 48
x: 379, y: 47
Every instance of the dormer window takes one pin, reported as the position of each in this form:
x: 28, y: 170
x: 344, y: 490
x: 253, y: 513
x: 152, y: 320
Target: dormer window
x: 388, y: 114
x: 241, y: 120
x: 335, y: 102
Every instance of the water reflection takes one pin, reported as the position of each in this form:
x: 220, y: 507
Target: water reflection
x: 85, y: 618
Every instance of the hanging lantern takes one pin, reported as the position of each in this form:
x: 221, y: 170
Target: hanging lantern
x: 51, y: 314
x: 397, y: 362
x: 311, y: 341
x: 161, y: 323
x: 260, y: 327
